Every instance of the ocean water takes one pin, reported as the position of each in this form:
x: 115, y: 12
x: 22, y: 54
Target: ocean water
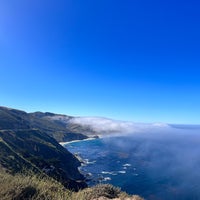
x: 156, y: 166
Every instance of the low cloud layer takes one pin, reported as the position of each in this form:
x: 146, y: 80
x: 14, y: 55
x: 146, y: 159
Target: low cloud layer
x: 105, y: 125
x: 169, y: 162
x: 165, y: 156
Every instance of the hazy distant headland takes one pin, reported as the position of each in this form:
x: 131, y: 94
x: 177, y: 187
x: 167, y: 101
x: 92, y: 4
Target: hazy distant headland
x: 65, y: 128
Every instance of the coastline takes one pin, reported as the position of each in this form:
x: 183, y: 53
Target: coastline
x: 74, y: 141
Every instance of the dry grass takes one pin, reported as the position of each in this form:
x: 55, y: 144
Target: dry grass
x: 103, y: 192
x: 28, y: 186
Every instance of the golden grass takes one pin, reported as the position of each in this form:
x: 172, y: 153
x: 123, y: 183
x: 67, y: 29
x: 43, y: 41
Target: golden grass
x: 28, y: 186
x: 103, y: 192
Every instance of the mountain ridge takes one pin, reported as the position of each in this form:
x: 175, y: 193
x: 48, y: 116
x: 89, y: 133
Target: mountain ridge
x: 23, y: 145
x: 62, y: 132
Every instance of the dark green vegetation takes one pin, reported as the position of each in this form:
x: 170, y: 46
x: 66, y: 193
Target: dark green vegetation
x: 25, y: 142
x: 38, y: 151
x: 57, y: 126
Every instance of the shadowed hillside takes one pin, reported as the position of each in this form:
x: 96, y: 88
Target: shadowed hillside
x: 36, y: 150
x: 25, y: 142
x: 49, y: 123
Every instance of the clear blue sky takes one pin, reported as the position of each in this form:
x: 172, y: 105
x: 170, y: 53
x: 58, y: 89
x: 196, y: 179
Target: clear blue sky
x: 135, y: 60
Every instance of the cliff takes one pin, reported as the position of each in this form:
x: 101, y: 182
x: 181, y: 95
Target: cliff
x: 25, y: 146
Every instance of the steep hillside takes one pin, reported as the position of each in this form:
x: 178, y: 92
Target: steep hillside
x: 39, y: 152
x: 12, y: 119
x: 60, y: 127
x: 26, y: 143
x: 27, y: 186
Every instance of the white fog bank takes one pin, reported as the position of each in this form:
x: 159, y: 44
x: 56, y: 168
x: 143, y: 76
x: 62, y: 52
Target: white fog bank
x: 105, y: 125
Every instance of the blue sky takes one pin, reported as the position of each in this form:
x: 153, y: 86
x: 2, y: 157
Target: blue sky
x: 133, y: 60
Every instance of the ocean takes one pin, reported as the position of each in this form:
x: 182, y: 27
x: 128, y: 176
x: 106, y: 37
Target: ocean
x: 157, y: 166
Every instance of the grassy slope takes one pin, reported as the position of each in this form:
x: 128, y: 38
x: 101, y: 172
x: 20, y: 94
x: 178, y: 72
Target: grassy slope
x: 13, y: 119
x: 35, y: 187
x: 12, y: 161
x: 59, y: 126
x: 25, y: 142
x: 36, y: 150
